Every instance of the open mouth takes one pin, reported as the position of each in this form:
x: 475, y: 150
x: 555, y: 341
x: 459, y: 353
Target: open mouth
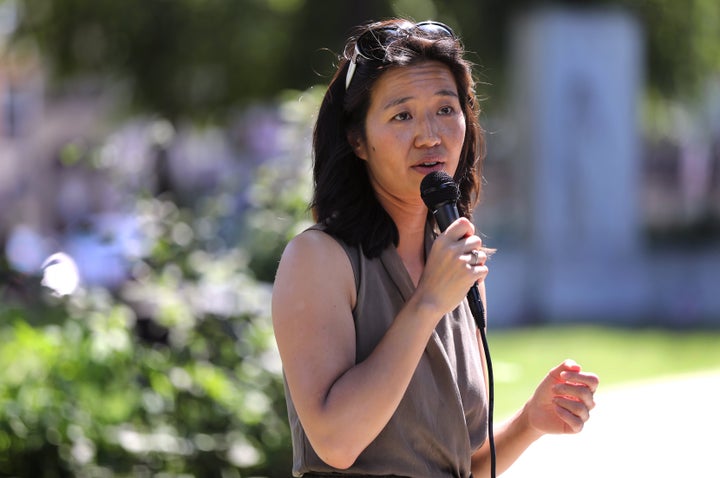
x: 428, y: 166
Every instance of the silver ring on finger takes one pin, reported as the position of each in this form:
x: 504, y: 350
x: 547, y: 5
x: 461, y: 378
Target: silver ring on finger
x: 476, y: 257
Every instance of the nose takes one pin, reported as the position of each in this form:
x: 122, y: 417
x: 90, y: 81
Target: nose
x: 428, y: 132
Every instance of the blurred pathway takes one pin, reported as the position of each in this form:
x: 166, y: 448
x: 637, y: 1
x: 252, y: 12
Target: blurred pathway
x: 660, y: 429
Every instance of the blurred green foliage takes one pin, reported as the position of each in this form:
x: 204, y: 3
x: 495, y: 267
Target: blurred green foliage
x: 84, y: 398
x: 175, y: 373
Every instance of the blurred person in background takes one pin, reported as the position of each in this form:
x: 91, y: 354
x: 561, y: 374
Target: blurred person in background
x: 383, y: 366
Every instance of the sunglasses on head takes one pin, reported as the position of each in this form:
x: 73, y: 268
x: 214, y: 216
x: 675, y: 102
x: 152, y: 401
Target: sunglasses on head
x: 371, y: 45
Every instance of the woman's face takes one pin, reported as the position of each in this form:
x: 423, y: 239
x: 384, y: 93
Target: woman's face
x: 414, y: 125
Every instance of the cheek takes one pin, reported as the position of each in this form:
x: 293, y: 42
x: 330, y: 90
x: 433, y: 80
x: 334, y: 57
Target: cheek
x: 460, y: 135
x: 386, y: 143
x: 461, y: 126
x: 456, y: 135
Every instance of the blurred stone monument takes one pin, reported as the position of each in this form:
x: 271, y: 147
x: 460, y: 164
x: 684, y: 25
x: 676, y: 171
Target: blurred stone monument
x: 577, y: 83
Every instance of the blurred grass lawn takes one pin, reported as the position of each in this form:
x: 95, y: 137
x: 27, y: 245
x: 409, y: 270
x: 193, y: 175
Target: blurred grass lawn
x: 522, y: 357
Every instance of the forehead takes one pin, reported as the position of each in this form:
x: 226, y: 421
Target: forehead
x: 428, y: 78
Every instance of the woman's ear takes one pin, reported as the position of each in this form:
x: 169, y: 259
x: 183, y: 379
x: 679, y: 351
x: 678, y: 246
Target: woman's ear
x: 357, y: 143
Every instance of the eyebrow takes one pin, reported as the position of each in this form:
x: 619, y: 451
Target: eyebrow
x: 399, y: 101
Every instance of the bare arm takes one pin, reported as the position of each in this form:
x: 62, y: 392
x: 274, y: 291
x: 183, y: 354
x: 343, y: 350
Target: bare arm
x: 343, y: 406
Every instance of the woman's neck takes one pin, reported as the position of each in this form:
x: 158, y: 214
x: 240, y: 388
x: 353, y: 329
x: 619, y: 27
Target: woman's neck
x: 410, y: 221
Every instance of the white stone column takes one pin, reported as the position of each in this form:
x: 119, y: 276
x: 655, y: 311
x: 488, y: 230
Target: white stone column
x: 577, y: 80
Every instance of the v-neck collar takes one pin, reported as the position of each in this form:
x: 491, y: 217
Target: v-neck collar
x: 400, y: 276
x: 396, y: 269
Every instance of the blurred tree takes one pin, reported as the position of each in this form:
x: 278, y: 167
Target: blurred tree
x: 682, y: 38
x: 178, y: 57
x: 203, y: 58
x: 186, y: 57
x: 683, y: 43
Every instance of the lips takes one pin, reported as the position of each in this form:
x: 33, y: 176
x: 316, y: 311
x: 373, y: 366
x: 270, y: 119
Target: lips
x: 429, y: 166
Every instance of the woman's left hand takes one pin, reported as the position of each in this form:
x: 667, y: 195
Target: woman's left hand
x: 563, y: 400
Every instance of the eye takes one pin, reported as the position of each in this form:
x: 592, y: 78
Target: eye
x: 446, y: 110
x: 404, y: 116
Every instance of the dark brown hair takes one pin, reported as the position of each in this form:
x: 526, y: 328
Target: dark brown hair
x: 344, y: 200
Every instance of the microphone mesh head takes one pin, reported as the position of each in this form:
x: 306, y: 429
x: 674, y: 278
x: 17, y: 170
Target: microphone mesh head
x: 438, y: 188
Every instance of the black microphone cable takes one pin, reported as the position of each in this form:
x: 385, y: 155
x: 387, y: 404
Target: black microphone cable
x: 440, y: 193
x: 491, y: 399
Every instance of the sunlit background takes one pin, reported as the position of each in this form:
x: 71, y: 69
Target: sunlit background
x: 155, y: 159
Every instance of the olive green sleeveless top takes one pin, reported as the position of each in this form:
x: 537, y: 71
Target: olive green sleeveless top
x: 442, y: 418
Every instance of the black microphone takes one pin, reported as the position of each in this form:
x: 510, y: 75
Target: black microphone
x: 440, y: 194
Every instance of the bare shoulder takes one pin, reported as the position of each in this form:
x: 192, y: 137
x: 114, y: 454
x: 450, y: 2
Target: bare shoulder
x: 312, y: 241
x: 315, y: 256
x: 315, y: 270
